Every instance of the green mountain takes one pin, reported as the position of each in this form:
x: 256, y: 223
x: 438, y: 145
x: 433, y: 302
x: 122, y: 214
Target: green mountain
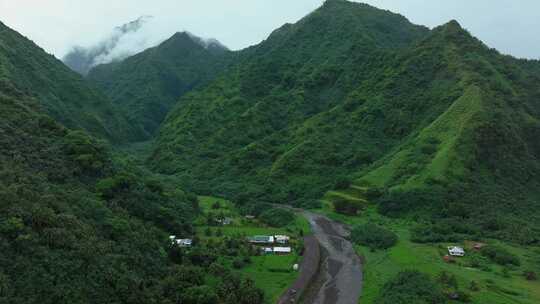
x: 440, y: 123
x: 61, y: 92
x: 80, y: 224
x: 253, y: 123
x: 146, y: 86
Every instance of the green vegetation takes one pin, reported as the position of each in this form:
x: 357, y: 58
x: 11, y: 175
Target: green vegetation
x: 373, y: 236
x: 443, y: 128
x: 80, y: 224
x: 419, y: 139
x: 273, y: 128
x: 146, y: 86
x: 277, y: 217
x: 489, y: 284
x: 500, y: 255
x: 273, y: 274
x: 62, y: 93
x: 411, y: 287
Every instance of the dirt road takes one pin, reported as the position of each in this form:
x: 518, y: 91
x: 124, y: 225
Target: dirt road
x: 339, y: 280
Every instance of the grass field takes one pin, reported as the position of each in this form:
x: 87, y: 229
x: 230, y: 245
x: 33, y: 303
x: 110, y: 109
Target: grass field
x: 495, y: 288
x: 271, y: 273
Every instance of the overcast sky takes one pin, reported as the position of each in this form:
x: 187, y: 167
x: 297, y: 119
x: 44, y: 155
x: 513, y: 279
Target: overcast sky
x: 511, y: 26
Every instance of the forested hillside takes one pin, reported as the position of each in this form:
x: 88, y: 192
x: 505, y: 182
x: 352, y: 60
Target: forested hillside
x: 146, y: 86
x: 62, y: 93
x: 78, y: 225
x: 434, y: 119
x: 239, y: 133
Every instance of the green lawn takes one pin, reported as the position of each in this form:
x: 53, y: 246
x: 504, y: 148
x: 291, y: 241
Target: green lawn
x: 382, y: 265
x: 272, y: 273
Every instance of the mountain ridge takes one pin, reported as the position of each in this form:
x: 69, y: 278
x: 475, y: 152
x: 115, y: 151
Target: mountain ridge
x: 62, y: 93
x: 335, y: 95
x: 147, y: 85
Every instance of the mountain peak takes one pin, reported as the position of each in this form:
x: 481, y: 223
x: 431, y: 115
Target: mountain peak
x: 209, y: 44
x: 453, y: 31
x: 453, y: 24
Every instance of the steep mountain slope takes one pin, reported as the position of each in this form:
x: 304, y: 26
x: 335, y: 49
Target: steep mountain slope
x: 61, y: 92
x: 249, y: 124
x: 148, y: 84
x: 436, y: 118
x: 77, y: 226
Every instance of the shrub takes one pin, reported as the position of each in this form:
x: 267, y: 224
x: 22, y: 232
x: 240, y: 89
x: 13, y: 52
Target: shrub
x: 346, y: 207
x: 500, y: 255
x: 277, y: 217
x: 474, y: 286
x: 342, y: 182
x: 216, y: 205
x: 89, y: 153
x: 373, y: 236
x: 238, y: 263
x: 108, y: 188
x: 530, y: 275
x: 411, y: 287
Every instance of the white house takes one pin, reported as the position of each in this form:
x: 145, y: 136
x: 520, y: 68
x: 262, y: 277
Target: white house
x: 282, y: 250
x: 184, y: 242
x: 282, y: 239
x: 456, y: 251
x: 267, y: 250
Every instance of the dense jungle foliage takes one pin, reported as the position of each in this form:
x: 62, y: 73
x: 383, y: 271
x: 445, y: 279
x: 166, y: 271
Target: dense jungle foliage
x: 434, y: 121
x: 79, y: 226
x: 62, y: 93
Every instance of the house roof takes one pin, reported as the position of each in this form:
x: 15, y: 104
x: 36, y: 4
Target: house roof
x: 456, y: 249
x: 262, y: 238
x: 282, y: 249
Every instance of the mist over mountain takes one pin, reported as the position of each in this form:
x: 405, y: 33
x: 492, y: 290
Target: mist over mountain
x: 120, y: 44
x: 147, y: 85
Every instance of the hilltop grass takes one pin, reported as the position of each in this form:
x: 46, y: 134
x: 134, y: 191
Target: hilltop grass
x: 271, y: 273
x: 382, y: 265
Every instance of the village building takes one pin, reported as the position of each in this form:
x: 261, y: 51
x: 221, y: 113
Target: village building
x: 180, y: 242
x: 184, y: 242
x: 282, y: 239
x: 250, y: 217
x: 456, y: 251
x: 261, y: 239
x: 225, y: 221
x: 267, y: 250
x: 282, y: 250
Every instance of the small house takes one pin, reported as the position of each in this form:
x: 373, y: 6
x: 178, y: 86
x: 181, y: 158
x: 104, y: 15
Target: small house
x: 184, y: 242
x: 250, y: 217
x: 225, y: 221
x: 282, y: 239
x: 261, y: 239
x: 456, y: 251
x: 267, y: 250
x: 282, y: 250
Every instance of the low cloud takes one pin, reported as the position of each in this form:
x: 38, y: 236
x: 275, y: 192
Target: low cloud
x: 122, y: 42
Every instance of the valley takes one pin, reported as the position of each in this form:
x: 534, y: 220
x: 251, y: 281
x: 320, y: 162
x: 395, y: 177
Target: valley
x: 350, y: 157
